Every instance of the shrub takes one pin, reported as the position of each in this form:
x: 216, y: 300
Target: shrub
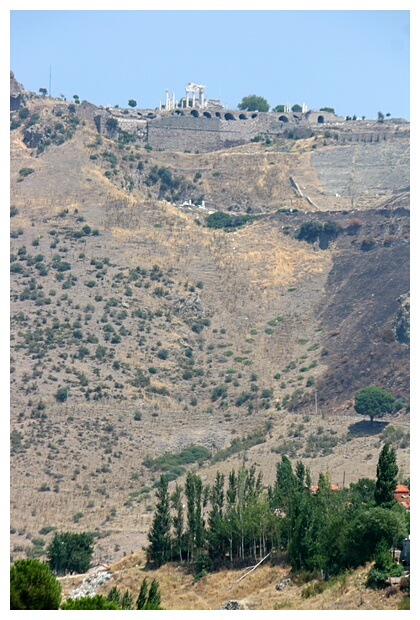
x: 90, y: 602
x: 61, y: 394
x: 33, y: 586
x: 367, y: 244
x: 24, y: 172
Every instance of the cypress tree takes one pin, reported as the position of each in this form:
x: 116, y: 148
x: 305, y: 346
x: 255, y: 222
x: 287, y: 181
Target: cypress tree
x: 153, y: 599
x: 114, y: 595
x: 127, y: 601
x: 159, y: 534
x: 142, y: 597
x: 386, y: 477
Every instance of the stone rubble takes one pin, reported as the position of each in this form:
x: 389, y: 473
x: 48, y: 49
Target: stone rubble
x: 90, y: 584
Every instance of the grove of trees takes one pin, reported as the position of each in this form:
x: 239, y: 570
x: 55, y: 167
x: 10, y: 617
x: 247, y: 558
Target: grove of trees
x: 238, y: 520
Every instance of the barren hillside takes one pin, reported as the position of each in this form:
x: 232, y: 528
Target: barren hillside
x: 137, y: 329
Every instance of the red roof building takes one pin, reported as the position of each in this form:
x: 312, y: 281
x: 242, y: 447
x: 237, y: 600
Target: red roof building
x: 402, y: 495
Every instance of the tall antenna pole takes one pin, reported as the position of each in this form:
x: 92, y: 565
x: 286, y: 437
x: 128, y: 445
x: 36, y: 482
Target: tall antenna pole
x: 50, y: 82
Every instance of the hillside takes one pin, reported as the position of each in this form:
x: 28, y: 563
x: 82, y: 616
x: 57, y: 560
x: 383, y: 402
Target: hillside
x: 256, y: 591
x: 138, y: 330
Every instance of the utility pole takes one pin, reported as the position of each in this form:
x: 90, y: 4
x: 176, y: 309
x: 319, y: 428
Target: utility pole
x: 316, y: 401
x: 50, y: 83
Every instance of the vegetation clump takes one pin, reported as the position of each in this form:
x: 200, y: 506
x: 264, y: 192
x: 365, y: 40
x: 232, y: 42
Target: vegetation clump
x: 219, y: 219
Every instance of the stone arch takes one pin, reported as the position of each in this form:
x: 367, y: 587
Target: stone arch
x: 321, y: 119
x: 218, y: 114
x: 284, y: 119
x: 194, y: 113
x: 229, y: 116
x: 243, y: 117
x: 254, y: 115
x: 151, y: 115
x: 207, y: 114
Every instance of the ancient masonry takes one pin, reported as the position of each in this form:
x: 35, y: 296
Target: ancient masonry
x: 192, y: 129
x: 199, y: 124
x: 196, y: 124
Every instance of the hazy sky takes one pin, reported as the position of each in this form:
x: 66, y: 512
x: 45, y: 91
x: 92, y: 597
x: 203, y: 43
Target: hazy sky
x: 357, y: 62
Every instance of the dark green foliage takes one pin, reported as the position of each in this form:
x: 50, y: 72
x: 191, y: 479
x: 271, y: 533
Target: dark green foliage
x: 367, y: 528
x: 254, y: 103
x: 310, y: 231
x: 61, y: 394
x: 23, y: 113
x: 111, y: 124
x: 374, y: 402
x: 167, y: 461
x: 196, y: 501
x: 142, y: 597
x: 149, y: 598
x: 114, y: 595
x: 313, y: 231
x: 178, y: 518
x: 24, y: 172
x: 127, y: 601
x: 163, y: 354
x: 219, y: 392
x: 158, y: 535
x: 363, y: 491
x: 386, y: 476
x: 98, y: 602
x: 69, y: 552
x: 328, y: 530
x: 33, y: 586
x: 219, y: 219
x: 327, y: 110
x: 383, y: 568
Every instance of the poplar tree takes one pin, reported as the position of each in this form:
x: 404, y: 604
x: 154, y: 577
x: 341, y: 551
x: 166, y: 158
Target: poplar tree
x: 178, y: 519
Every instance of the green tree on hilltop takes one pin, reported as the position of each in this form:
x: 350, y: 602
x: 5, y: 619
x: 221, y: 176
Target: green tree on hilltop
x: 253, y: 103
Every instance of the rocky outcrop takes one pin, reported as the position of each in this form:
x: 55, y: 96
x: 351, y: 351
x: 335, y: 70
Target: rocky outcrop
x: 33, y: 136
x: 402, y: 321
x: 16, y: 93
x: 230, y: 605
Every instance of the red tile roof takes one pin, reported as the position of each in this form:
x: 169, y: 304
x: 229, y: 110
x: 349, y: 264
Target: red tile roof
x: 402, y: 495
